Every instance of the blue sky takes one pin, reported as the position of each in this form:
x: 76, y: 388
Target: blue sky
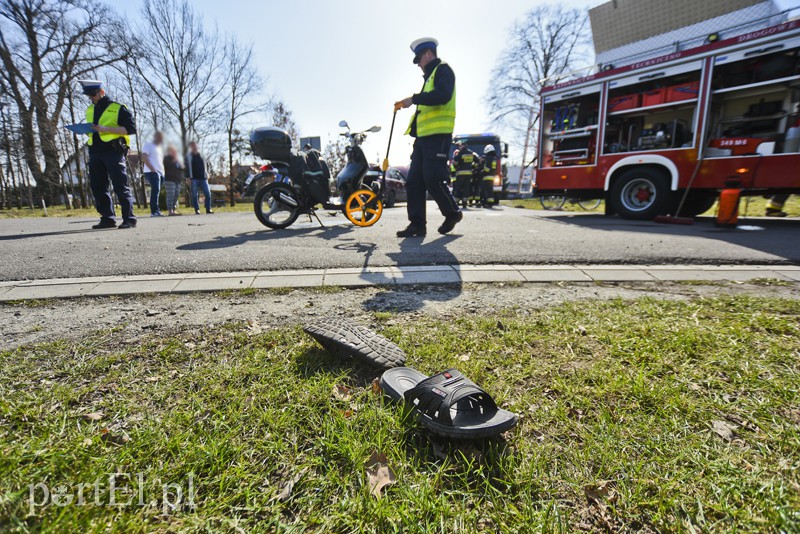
x: 349, y: 59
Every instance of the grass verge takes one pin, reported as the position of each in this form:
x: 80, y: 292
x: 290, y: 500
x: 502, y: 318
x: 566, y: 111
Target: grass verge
x: 750, y: 206
x: 62, y: 211
x: 636, y: 415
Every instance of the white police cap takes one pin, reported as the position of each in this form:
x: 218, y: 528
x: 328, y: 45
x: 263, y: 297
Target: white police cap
x: 422, y: 44
x: 90, y: 86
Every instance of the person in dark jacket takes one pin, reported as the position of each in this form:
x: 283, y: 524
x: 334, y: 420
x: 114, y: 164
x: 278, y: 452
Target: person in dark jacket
x: 173, y: 177
x: 432, y: 125
x: 112, y: 126
x: 196, y: 171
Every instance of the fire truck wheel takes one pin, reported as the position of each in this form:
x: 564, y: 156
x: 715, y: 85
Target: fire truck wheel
x: 640, y: 193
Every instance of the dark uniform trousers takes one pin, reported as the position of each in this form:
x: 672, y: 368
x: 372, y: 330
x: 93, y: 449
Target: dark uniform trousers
x: 102, y: 167
x: 429, y: 171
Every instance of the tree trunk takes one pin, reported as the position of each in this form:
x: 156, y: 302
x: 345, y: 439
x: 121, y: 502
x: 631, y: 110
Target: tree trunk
x: 15, y: 183
x: 24, y: 175
x: 4, y: 192
x: 77, y: 148
x: 230, y: 167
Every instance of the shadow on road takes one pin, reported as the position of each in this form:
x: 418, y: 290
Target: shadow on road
x: 405, y: 297
x: 326, y: 233
x: 778, y: 237
x: 16, y: 237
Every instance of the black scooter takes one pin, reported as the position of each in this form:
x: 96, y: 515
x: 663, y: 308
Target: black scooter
x: 302, y: 182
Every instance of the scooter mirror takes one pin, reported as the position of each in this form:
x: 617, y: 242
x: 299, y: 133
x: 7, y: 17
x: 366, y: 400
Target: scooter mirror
x: 375, y: 129
x: 343, y: 124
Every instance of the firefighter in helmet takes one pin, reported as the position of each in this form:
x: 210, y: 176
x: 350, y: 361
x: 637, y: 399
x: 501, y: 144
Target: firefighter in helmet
x: 488, y: 176
x: 464, y: 162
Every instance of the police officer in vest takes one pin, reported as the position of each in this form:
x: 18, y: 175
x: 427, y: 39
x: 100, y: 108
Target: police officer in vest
x: 432, y: 125
x: 108, y: 147
x: 464, y: 161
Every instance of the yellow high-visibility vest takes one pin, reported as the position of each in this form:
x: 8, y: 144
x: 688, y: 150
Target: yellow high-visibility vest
x: 432, y: 120
x: 110, y: 117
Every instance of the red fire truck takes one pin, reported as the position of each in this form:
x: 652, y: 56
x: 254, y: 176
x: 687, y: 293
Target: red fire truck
x: 641, y: 134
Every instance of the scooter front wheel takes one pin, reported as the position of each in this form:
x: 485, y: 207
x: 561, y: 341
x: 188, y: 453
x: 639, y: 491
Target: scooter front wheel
x: 277, y: 205
x: 363, y: 208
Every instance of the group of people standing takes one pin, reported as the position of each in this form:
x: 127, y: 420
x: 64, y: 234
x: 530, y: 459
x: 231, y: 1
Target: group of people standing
x: 170, y: 171
x: 474, y: 175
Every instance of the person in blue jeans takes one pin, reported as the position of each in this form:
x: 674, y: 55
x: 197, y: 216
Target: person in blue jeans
x: 196, y: 170
x: 153, y: 164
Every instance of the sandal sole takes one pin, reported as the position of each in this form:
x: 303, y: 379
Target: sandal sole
x: 342, y: 336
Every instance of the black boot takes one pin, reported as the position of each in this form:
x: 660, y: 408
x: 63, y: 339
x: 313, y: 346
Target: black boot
x: 450, y: 222
x: 412, y: 231
x: 105, y: 223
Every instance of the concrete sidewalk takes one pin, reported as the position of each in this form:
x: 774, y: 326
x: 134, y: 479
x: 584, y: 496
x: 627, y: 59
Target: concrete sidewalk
x: 433, y: 274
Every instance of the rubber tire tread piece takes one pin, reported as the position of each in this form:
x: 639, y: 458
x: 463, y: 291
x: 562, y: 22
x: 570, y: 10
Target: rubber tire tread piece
x: 395, y: 383
x: 345, y: 337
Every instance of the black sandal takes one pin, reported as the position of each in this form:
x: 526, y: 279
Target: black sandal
x: 448, y: 403
x: 341, y: 336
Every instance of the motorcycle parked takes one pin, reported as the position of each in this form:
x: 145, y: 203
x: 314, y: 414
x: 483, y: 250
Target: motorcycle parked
x: 301, y: 181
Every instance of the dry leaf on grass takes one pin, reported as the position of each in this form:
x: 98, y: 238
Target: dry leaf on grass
x: 379, y: 474
x: 600, y: 493
x: 342, y: 393
x: 288, y: 485
x: 723, y: 429
x: 93, y: 416
x: 114, y: 439
x: 376, y: 387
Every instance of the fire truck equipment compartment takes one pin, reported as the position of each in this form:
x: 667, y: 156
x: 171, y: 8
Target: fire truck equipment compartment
x: 654, y: 97
x: 621, y: 103
x: 684, y: 91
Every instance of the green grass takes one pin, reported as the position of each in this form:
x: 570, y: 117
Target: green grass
x: 62, y: 211
x: 535, y: 204
x: 756, y: 207
x: 621, y: 394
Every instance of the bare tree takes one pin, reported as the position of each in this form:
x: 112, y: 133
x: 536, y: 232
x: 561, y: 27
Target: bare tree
x: 335, y: 154
x: 243, y: 84
x: 550, y: 42
x: 45, y: 45
x: 182, y: 63
x: 282, y: 118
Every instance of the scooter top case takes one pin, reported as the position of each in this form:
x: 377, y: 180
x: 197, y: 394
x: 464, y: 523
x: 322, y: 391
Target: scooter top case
x: 269, y: 142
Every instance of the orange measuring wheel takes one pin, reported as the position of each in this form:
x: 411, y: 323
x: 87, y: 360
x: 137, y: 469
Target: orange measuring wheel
x: 363, y: 208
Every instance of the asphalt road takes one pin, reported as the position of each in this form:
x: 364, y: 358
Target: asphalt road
x: 67, y: 247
